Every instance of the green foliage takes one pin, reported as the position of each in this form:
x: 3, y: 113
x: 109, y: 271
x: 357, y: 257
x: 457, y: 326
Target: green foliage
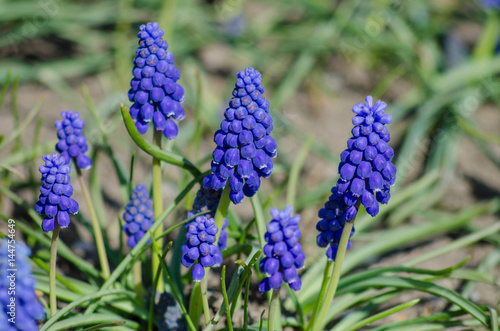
x: 300, y: 47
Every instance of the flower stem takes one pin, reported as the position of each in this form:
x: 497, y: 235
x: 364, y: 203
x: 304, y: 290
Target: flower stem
x: 138, y: 278
x: 101, y: 250
x: 221, y: 211
x: 158, y: 207
x: 204, y: 300
x: 52, y: 271
x: 334, y: 279
x: 272, y: 309
x: 321, y: 298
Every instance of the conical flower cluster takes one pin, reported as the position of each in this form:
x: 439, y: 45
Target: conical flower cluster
x: 366, y: 174
x: 366, y: 170
x: 139, y: 215
x: 245, y: 148
x: 19, y: 301
x: 283, y: 252
x: 199, y: 248
x: 207, y: 199
x: 72, y: 143
x: 55, y: 200
x: 154, y: 89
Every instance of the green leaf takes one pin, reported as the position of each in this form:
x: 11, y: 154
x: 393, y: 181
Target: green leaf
x: 135, y: 252
x: 417, y: 285
x: 99, y: 295
x: 99, y: 320
x: 383, y: 314
x: 154, y: 150
x: 22, y: 126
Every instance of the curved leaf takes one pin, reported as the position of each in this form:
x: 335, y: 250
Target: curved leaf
x: 418, y: 285
x: 154, y: 150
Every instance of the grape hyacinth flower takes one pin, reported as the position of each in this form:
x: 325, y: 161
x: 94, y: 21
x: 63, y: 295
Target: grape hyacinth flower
x: 20, y: 310
x: 154, y: 89
x: 55, y: 200
x: 207, y: 199
x: 139, y: 216
x: 283, y: 252
x: 168, y: 313
x: 199, y: 248
x: 366, y: 170
x: 72, y: 143
x: 366, y: 174
x: 245, y: 148
x: 333, y: 217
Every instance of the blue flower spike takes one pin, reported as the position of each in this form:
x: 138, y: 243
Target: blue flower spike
x: 72, y: 143
x: 199, y: 250
x: 156, y: 95
x: 245, y: 147
x: 23, y: 307
x: 366, y: 174
x: 283, y: 252
x: 55, y: 200
x: 207, y: 199
x: 138, y: 216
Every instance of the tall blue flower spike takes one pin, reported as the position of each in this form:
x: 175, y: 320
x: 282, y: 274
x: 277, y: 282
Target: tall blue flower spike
x: 245, y: 148
x: 284, y: 255
x: 72, y: 143
x: 168, y: 313
x: 154, y: 89
x: 139, y: 215
x: 366, y: 174
x: 199, y: 250
x: 23, y: 306
x: 55, y: 200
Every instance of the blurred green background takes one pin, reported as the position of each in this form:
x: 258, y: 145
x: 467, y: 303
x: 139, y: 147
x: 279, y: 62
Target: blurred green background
x: 434, y: 62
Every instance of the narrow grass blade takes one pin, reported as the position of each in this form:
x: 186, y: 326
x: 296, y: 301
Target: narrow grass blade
x: 383, y: 314
x: 417, y: 285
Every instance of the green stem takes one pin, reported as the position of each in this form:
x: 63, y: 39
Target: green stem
x: 138, y: 278
x: 321, y: 298
x: 229, y: 323
x: 221, y: 211
x: 204, y: 300
x: 52, y: 272
x: 487, y: 42
x: 293, y: 178
x: 101, y: 250
x: 339, y: 259
x: 158, y: 207
x: 260, y: 221
x: 245, y: 311
x: 272, y: 309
